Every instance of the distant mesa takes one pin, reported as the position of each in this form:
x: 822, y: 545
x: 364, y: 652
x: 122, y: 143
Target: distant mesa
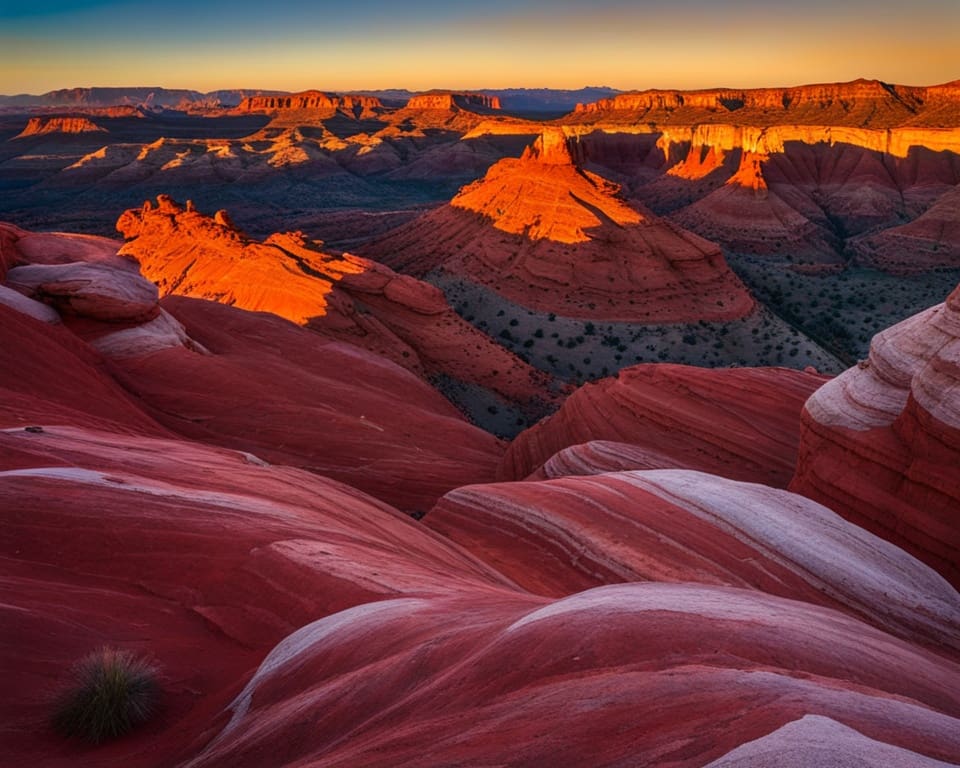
x: 452, y: 101
x: 38, y: 126
x: 326, y: 104
x: 860, y: 103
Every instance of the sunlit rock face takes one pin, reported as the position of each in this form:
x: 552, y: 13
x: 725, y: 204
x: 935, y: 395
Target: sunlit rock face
x: 344, y: 297
x: 547, y: 234
x: 38, y: 126
x: 881, y: 442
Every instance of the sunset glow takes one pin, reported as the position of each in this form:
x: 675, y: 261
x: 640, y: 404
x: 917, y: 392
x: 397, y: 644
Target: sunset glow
x: 419, y: 45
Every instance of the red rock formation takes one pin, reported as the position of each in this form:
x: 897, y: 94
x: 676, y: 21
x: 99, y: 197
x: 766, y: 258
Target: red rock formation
x: 344, y: 297
x: 452, y: 101
x: 881, y: 442
x: 546, y: 234
x: 861, y: 103
x: 931, y: 240
x: 561, y: 536
x: 636, y: 673
x: 294, y: 397
x: 184, y: 553
x: 370, y: 629
x: 317, y: 102
x: 741, y: 423
x: 254, y: 382
x: 38, y: 126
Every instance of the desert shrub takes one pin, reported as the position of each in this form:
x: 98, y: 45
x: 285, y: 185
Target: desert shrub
x: 111, y: 692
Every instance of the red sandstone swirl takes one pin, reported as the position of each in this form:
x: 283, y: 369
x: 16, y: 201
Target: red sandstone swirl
x: 244, y: 380
x: 546, y: 234
x: 561, y: 536
x: 741, y: 423
x: 641, y: 673
x: 881, y: 442
x: 344, y: 297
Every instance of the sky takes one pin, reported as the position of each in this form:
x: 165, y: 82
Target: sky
x: 422, y: 44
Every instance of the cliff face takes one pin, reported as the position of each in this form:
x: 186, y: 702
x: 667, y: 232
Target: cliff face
x: 38, y: 126
x: 314, y: 101
x: 862, y: 103
x: 450, y: 101
x: 881, y: 442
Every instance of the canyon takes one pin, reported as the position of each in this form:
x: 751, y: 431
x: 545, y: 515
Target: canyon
x: 419, y: 430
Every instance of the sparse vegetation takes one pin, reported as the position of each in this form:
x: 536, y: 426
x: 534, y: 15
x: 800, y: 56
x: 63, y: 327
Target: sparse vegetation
x: 112, y: 692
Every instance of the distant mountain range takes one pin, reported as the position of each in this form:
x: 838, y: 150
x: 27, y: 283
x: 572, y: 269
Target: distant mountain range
x: 511, y: 99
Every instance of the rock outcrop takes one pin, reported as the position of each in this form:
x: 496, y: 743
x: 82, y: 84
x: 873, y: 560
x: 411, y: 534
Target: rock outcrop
x: 861, y: 103
x: 738, y: 423
x: 444, y: 100
x: 881, y: 442
x: 315, y: 102
x: 562, y: 536
x: 549, y: 235
x: 244, y: 380
x: 343, y: 297
x: 39, y: 126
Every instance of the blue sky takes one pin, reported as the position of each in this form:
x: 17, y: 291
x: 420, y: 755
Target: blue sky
x: 419, y: 44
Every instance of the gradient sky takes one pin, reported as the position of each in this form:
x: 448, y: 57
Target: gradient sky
x: 421, y: 44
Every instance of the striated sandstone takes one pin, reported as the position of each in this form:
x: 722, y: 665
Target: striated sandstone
x: 185, y: 553
x: 741, y: 423
x: 632, y: 673
x: 881, y: 442
x: 546, y: 234
x: 96, y: 291
x: 565, y: 535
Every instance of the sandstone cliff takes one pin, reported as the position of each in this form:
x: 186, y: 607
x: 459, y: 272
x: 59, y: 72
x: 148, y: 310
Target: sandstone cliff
x: 40, y: 126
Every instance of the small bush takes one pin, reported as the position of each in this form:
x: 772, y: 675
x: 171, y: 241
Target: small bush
x: 112, y: 692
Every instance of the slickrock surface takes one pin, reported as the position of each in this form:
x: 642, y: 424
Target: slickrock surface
x: 294, y: 397
x: 881, y: 442
x: 546, y: 234
x: 741, y: 423
x: 200, y: 558
x: 565, y: 535
x: 626, y: 674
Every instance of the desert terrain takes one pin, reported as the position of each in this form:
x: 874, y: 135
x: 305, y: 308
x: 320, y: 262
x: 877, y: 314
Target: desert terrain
x: 455, y: 428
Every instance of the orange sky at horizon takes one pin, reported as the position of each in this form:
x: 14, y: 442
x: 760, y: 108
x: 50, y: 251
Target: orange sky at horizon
x: 743, y: 44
